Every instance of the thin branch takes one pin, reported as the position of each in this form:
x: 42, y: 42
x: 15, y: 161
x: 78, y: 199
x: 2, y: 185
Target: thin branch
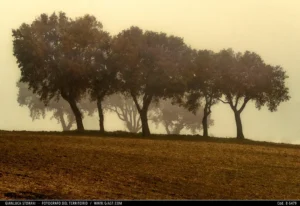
x: 223, y: 101
x: 121, y: 116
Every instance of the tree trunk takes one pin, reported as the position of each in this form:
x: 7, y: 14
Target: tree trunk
x: 167, y: 128
x: 101, y: 116
x: 70, y: 124
x: 204, y: 124
x: 206, y: 113
x: 77, y: 114
x: 62, y: 121
x: 129, y: 127
x: 177, y: 129
x: 132, y: 124
x: 143, y: 112
x: 239, y: 127
x: 145, y: 126
x: 135, y: 129
x: 75, y: 110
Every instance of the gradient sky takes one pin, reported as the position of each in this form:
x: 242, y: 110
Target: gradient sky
x: 270, y: 27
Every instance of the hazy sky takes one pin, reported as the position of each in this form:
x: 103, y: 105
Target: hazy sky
x: 270, y: 27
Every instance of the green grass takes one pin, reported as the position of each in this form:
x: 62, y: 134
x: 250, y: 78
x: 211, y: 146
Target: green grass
x: 72, y: 165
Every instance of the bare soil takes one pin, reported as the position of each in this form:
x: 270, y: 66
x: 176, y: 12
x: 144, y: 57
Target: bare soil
x: 60, y: 166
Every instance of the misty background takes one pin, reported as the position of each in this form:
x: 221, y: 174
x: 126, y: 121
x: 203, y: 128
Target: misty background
x: 270, y: 28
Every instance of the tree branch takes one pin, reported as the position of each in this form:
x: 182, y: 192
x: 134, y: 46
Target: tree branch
x: 146, y: 101
x: 237, y: 100
x: 223, y: 101
x: 121, y: 116
x: 136, y: 102
x: 209, y: 110
x: 246, y: 100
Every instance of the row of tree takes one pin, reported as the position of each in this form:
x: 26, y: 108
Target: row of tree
x: 60, y: 57
x: 172, y: 117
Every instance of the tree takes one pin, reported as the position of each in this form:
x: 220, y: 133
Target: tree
x: 60, y: 109
x: 246, y: 77
x: 103, y: 79
x: 202, y: 86
x: 54, y: 54
x: 126, y: 110
x: 149, y: 65
x: 175, y: 118
x: 38, y: 109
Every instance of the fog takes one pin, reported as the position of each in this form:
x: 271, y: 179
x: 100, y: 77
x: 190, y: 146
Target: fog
x: 271, y: 28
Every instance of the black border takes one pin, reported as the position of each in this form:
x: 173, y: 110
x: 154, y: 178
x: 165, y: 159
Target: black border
x: 144, y: 202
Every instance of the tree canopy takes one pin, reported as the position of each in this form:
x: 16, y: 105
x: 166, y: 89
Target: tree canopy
x: 202, y: 86
x: 149, y: 65
x: 55, y: 53
x: 76, y: 60
x: 245, y: 77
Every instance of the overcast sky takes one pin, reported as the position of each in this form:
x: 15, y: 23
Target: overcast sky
x: 270, y: 27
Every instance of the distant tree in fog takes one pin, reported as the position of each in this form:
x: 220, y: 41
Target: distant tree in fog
x: 55, y: 55
x: 126, y: 111
x: 245, y: 77
x: 175, y: 118
x: 60, y: 109
x: 149, y: 65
